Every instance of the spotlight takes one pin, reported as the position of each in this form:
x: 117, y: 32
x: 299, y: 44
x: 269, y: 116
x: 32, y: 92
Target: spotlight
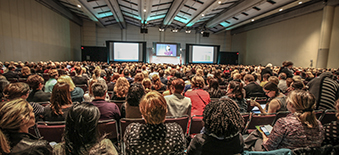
x: 175, y: 30
x: 161, y: 29
x: 188, y: 31
x: 281, y: 9
x: 79, y: 6
x: 300, y: 2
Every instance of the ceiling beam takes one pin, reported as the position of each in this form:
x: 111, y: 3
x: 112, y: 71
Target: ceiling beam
x: 145, y: 5
x: 115, y: 9
x: 86, y: 11
x: 173, y: 11
x: 238, y: 9
x: 56, y: 7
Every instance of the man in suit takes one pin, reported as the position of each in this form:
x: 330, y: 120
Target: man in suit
x: 11, y: 73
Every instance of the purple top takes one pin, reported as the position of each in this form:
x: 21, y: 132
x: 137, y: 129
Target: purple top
x: 108, y: 110
x: 289, y: 132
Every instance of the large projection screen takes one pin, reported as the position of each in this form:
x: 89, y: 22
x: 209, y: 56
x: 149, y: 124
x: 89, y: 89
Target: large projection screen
x: 126, y: 51
x: 196, y: 53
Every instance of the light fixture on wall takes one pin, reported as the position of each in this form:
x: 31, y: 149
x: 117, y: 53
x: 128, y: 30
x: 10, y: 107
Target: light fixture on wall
x: 161, y: 29
x: 187, y: 31
x: 175, y: 30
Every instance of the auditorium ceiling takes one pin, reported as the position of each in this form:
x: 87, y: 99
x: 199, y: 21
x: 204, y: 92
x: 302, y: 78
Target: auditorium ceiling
x: 181, y: 15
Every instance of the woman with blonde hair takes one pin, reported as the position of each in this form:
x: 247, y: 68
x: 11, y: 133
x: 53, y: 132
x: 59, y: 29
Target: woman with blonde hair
x: 25, y: 72
x: 165, y: 138
x: 299, y: 129
x: 199, y: 97
x: 77, y: 94
x: 16, y: 117
x: 120, y: 89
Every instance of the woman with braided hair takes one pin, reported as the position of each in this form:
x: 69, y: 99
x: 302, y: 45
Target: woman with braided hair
x: 222, y: 130
x: 299, y: 129
x: 199, y: 97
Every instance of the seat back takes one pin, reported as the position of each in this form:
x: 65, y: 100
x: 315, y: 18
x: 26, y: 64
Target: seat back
x: 318, y: 113
x: 124, y: 122
x: 110, y: 94
x: 182, y: 121
x: 246, y: 117
x: 196, y: 124
x: 119, y: 103
x: 328, y: 116
x: 279, y: 115
x: 109, y: 127
x: 44, y: 103
x: 51, y: 131
x: 258, y: 119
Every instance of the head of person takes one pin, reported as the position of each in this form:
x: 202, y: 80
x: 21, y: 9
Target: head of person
x: 15, y: 116
x: 271, y: 89
x: 126, y: 72
x: 153, y: 108
x: 234, y: 90
x: 121, y: 87
x: 309, y: 74
x: 81, y: 132
x: 156, y: 81
x: 78, y: 70
x: 36, y: 82
x: 60, y: 96
x: 198, y: 82
x: 302, y: 103
x: 147, y: 83
x: 99, y: 89
x: 135, y: 93
x: 223, y: 118
x: 26, y: 71
x: 53, y: 73
x: 177, y: 86
x: 248, y: 78
x: 288, y: 64
x: 282, y: 76
x: 96, y: 72
x: 274, y: 79
x: 67, y: 79
x: 266, y: 76
x: 138, y: 78
x: 161, y: 73
x: 16, y: 90
x: 213, y: 83
x: 298, y: 85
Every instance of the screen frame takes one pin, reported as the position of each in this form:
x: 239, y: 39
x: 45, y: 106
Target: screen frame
x: 155, y: 49
x: 189, y: 50
x: 142, y: 53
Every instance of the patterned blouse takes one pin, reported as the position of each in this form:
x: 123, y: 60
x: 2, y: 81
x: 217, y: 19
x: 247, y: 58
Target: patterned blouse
x: 331, y: 133
x: 154, y: 139
x: 289, y: 132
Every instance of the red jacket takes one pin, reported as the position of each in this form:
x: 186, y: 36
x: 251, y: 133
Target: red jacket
x: 200, y: 99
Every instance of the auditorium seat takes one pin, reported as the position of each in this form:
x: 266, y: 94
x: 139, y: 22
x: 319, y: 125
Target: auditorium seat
x: 328, y: 116
x: 51, y: 131
x: 196, y: 125
x: 119, y: 103
x: 109, y: 127
x: 182, y: 121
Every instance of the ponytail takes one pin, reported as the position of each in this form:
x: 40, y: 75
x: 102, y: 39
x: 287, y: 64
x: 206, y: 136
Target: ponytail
x: 5, y: 148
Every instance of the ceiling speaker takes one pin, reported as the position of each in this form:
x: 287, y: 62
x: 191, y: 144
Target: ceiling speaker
x: 143, y: 30
x: 205, y: 34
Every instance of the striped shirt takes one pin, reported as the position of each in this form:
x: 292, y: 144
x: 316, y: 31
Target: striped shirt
x: 328, y: 94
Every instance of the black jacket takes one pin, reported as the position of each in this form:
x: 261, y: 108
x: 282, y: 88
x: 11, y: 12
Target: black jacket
x: 254, y: 90
x: 25, y: 143
x: 39, y: 96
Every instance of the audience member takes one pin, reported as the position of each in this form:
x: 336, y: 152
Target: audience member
x: 61, y: 102
x: 16, y: 117
x: 222, y: 130
x: 77, y: 94
x: 282, y: 82
x: 299, y: 129
x: 130, y: 109
x: 78, y: 79
x: 325, y: 90
x: 287, y: 69
x: 277, y: 102
x: 147, y: 84
x: 156, y: 83
x: 107, y: 110
x: 199, y: 97
x: 177, y: 104
x: 3, y: 84
x: 25, y: 72
x: 235, y: 93
x: 11, y: 74
x: 120, y: 89
x: 213, y: 88
x: 332, y: 130
x: 81, y: 135
x: 53, y: 75
x: 36, y: 83
x: 264, y: 79
x: 162, y: 78
x: 155, y: 137
x: 114, y: 78
x: 252, y: 89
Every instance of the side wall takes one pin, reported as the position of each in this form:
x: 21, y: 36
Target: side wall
x: 31, y: 32
x: 334, y: 45
x: 296, y: 40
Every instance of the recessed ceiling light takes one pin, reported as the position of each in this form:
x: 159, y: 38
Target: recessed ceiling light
x: 203, y: 15
x: 300, y: 2
x: 281, y: 9
x: 219, y: 2
x: 252, y: 20
x: 145, y: 10
x: 79, y: 6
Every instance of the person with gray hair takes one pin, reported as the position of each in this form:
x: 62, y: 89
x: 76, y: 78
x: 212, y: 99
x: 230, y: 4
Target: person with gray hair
x: 107, y: 110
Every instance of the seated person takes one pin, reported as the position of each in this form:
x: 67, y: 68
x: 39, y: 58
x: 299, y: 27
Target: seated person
x: 78, y: 79
x: 61, y: 102
x: 277, y: 102
x: 177, y: 104
x: 120, y: 89
x: 164, y: 138
x: 107, y: 110
x: 81, y: 134
x: 332, y: 130
x: 147, y: 84
x: 213, y: 88
x: 235, y: 93
x: 36, y: 83
x: 299, y: 129
x: 222, y: 130
x: 130, y: 109
x: 156, y: 83
x: 53, y: 75
x: 77, y: 94
x: 16, y: 117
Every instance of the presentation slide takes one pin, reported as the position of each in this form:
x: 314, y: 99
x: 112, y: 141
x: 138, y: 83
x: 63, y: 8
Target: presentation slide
x: 126, y: 51
x: 166, y: 50
x: 202, y: 54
